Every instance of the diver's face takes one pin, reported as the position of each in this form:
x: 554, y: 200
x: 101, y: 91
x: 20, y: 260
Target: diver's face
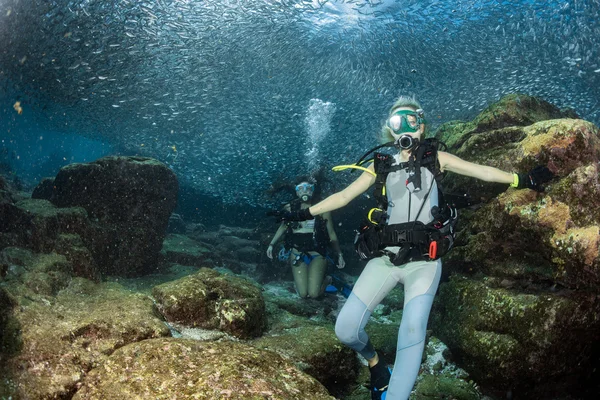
x: 305, y: 190
x: 404, y: 122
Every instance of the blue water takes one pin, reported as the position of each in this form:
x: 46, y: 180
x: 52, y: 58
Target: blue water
x: 268, y: 90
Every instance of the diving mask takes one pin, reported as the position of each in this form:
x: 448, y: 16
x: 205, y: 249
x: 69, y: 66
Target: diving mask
x: 405, y: 121
x: 305, y: 190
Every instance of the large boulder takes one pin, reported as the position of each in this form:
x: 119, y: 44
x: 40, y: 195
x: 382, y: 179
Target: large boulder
x: 130, y: 199
x: 508, y: 338
x: 520, y: 310
x: 61, y: 338
x: 30, y: 275
x: 187, y: 369
x: 562, y: 144
x: 212, y: 300
x: 316, y: 350
x: 512, y: 110
x: 44, y: 228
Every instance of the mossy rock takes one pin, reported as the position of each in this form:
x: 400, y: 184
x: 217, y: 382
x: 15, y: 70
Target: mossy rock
x: 316, y: 350
x: 187, y: 369
x: 281, y: 320
x: 394, y: 300
x: 504, y: 337
x: 211, y: 300
x: 181, y: 249
x: 64, y: 337
x: 297, y: 306
x: 545, y: 244
x: 40, y: 222
x: 562, y: 144
x: 444, y: 387
x: 34, y: 274
x: 511, y: 110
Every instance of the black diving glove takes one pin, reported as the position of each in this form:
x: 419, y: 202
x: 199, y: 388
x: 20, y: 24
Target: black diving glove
x: 533, y: 179
x: 300, y: 215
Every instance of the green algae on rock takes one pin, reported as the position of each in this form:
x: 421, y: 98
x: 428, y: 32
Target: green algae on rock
x: 181, y: 249
x: 315, y: 349
x: 510, y: 111
x: 505, y: 337
x: 186, y: 369
x: 563, y: 145
x: 212, y: 300
x: 62, y: 338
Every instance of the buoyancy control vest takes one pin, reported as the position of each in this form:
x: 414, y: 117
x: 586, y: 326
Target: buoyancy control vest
x: 316, y: 240
x: 417, y: 236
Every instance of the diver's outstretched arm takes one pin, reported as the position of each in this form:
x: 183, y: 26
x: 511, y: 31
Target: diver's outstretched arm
x: 452, y: 163
x: 343, y: 197
x: 533, y: 179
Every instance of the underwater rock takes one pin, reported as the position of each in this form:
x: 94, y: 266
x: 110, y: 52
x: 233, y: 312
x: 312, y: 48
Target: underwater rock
x: 239, y: 254
x: 187, y: 369
x: 212, y: 300
x: 176, y: 224
x: 563, y: 145
x: 439, y: 378
x: 181, y: 249
x: 315, y: 349
x: 74, y: 250
x: 521, y: 308
x: 42, y: 227
x: 444, y: 387
x: 506, y: 338
x: 249, y: 254
x: 512, y: 110
x: 44, y: 189
x: 31, y: 274
x: 243, y: 233
x: 130, y: 199
x: 283, y: 295
x: 62, y: 338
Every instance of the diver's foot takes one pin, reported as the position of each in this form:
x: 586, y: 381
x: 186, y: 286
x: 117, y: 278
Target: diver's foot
x: 329, y: 288
x: 380, y: 379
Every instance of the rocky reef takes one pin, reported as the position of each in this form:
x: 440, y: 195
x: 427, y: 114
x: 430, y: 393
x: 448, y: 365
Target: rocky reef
x: 128, y: 200
x: 521, y: 308
x: 104, y: 293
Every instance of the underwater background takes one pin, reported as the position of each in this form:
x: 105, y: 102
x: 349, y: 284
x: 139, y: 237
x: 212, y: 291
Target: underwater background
x: 142, y: 143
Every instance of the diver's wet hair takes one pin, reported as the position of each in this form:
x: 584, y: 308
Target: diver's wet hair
x: 402, y: 101
x: 406, y: 101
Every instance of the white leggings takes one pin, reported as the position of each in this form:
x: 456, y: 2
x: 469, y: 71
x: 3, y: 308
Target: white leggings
x: 380, y: 276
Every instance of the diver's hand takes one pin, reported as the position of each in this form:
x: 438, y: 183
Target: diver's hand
x: 300, y: 215
x: 535, y: 178
x: 341, y: 262
x: 270, y: 251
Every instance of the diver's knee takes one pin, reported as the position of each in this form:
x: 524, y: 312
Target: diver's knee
x: 411, y: 333
x: 344, y: 334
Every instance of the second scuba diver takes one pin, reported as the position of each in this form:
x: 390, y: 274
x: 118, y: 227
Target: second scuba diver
x: 404, y: 238
x: 306, y: 243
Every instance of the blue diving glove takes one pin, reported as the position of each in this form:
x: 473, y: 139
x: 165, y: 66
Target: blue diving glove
x: 533, y: 179
x: 300, y: 215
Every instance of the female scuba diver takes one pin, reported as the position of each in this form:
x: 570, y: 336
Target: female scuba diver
x: 305, y: 244
x: 403, y: 239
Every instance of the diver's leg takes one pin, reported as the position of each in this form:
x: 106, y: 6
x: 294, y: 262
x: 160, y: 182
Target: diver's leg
x: 316, y: 275
x: 420, y: 284
x: 300, y: 272
x: 374, y: 283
